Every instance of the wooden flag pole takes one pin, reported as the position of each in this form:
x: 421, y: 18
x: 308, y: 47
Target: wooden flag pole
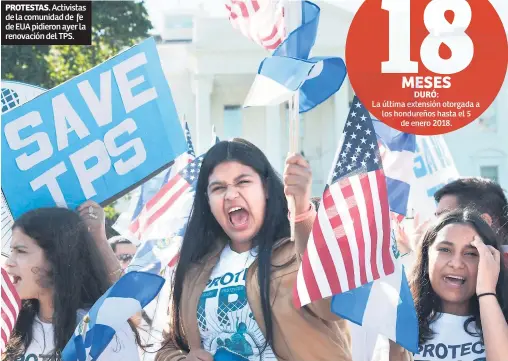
x: 294, y: 134
x: 293, y: 17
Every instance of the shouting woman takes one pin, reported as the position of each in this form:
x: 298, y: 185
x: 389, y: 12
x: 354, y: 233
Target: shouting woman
x: 232, y: 291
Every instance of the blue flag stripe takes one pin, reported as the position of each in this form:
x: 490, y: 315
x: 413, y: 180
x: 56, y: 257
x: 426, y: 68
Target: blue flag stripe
x: 394, y: 139
x: 398, y: 195
x: 289, y: 72
x: 351, y: 305
x: 290, y: 66
x: 407, y: 330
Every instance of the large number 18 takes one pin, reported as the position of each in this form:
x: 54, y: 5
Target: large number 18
x: 440, y: 31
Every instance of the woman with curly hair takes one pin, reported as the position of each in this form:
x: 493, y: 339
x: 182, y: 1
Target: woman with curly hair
x: 61, y: 264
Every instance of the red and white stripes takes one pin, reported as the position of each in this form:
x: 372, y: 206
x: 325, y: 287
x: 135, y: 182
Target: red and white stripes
x: 259, y: 20
x: 11, y: 304
x: 350, y: 240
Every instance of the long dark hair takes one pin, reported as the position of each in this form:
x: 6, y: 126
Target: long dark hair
x: 482, y: 194
x: 203, y: 231
x: 427, y: 302
x: 77, y: 274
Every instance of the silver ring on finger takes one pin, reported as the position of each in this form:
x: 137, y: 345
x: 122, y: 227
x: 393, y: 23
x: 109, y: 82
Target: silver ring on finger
x: 91, y: 213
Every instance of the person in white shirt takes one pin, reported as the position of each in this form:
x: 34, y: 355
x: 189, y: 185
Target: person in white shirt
x: 232, y: 298
x: 460, y: 292
x: 61, y: 264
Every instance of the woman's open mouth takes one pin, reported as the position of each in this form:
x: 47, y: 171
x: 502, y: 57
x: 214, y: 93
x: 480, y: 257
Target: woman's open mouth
x: 455, y: 281
x: 238, y: 217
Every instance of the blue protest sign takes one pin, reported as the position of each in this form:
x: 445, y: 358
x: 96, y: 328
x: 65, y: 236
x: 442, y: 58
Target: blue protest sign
x: 93, y: 136
x: 13, y: 94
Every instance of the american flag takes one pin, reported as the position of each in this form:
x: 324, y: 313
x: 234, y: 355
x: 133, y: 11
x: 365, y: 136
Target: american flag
x: 350, y: 240
x: 173, y: 200
x: 152, y: 186
x: 11, y: 305
x: 259, y: 20
x: 7, y: 222
x: 182, y: 161
x: 190, y: 147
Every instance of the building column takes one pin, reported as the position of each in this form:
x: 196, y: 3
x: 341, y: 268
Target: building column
x: 202, y: 88
x: 341, y: 110
x: 273, y: 136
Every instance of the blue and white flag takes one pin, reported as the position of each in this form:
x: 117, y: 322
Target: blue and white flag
x: 155, y: 255
x: 385, y: 306
x: 398, y: 153
x: 110, y: 313
x: 290, y: 69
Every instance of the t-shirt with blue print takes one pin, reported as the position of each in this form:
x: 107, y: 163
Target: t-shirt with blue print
x: 226, y: 323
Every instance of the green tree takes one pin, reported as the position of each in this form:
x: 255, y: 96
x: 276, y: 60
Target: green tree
x: 116, y: 25
x: 111, y: 217
x: 27, y: 64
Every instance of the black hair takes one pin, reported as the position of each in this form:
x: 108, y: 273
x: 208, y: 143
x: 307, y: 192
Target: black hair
x: 482, y: 194
x: 427, y: 302
x: 117, y: 241
x: 204, y: 232
x: 77, y: 274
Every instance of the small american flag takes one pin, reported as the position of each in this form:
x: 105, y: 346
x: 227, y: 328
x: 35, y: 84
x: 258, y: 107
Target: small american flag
x: 7, y: 222
x: 152, y: 186
x: 182, y: 161
x: 172, y: 199
x: 259, y: 20
x: 350, y: 240
x: 188, y: 138
x: 11, y: 305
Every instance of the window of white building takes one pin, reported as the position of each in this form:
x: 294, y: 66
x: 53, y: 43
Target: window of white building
x: 179, y: 22
x: 232, y: 121
x: 491, y: 172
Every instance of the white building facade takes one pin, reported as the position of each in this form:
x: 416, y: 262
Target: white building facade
x: 210, y: 68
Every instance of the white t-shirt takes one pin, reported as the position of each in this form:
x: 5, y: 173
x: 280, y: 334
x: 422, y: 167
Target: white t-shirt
x: 451, y: 342
x: 226, y: 323
x: 121, y: 348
